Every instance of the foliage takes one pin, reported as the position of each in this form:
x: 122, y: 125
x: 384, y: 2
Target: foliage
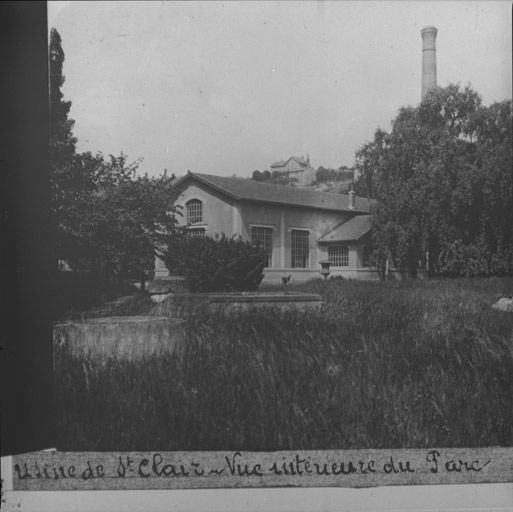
x: 410, y: 364
x: 276, y: 177
x: 216, y: 264
x: 324, y: 175
x: 67, y: 185
x: 281, y: 178
x: 443, y: 183
x: 106, y: 218
x: 261, y: 176
x: 62, y: 142
x: 124, y: 220
x: 342, y: 174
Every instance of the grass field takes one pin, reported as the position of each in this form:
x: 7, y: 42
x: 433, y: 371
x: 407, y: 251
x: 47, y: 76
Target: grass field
x: 406, y: 364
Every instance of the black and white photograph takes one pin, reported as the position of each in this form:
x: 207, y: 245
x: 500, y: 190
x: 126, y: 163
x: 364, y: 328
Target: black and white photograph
x: 281, y: 227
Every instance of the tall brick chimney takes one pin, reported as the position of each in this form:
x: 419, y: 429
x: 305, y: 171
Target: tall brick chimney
x: 428, y: 58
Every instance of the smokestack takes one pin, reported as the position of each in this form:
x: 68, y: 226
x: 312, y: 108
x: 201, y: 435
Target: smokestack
x: 428, y: 58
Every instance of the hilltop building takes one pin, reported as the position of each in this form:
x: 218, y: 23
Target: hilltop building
x: 295, y: 227
x: 297, y: 169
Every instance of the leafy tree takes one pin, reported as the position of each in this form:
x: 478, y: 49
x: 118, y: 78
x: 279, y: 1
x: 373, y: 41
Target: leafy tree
x: 216, y: 264
x: 321, y: 175
x: 256, y: 176
x: 442, y: 180
x: 324, y: 175
x: 368, y: 160
x: 67, y: 185
x: 482, y: 203
x: 106, y: 218
x: 124, y: 221
x: 138, y: 221
x: 276, y: 175
x: 344, y: 173
x: 261, y: 176
x: 62, y: 142
x: 280, y: 178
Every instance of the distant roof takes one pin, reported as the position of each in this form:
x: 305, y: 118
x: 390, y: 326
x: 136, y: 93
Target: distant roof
x: 250, y: 190
x: 353, y: 229
x: 297, y: 159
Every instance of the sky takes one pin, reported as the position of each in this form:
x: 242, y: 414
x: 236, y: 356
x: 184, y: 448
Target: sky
x: 227, y: 88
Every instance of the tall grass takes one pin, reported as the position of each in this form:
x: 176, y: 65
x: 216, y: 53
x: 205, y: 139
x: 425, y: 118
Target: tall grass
x: 382, y: 365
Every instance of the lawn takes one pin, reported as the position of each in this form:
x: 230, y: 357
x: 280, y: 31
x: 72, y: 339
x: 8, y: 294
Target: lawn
x: 406, y: 364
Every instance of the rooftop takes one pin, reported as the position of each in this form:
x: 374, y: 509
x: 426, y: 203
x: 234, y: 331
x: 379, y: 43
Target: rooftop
x: 298, y: 159
x: 250, y: 190
x: 352, y: 230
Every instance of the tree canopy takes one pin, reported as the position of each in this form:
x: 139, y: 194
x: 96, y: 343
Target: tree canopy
x: 106, y: 218
x: 442, y: 179
x: 324, y: 175
x: 62, y: 141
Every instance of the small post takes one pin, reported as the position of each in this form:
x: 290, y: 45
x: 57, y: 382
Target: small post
x: 351, y: 202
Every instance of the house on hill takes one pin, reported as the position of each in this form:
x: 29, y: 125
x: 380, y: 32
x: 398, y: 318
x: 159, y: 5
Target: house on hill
x: 297, y: 169
x: 295, y: 227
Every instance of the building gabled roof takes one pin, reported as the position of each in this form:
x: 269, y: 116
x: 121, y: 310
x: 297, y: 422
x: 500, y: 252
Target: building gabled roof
x: 351, y: 230
x: 299, y: 160
x: 241, y: 189
x: 283, y: 163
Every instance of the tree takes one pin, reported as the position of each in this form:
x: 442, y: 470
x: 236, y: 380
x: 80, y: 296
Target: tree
x: 66, y: 184
x: 256, y: 176
x: 106, y: 218
x: 62, y: 141
x: 482, y: 203
x: 321, y: 175
x: 138, y: 221
x: 367, y: 161
x: 442, y: 180
x: 280, y: 178
x: 344, y: 173
x: 123, y: 221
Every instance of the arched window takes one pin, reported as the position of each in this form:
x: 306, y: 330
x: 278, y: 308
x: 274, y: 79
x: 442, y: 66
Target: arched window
x: 194, y: 211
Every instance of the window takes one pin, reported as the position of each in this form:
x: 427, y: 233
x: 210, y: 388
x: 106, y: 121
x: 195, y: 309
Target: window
x: 194, y: 211
x: 368, y: 260
x: 300, y: 249
x: 196, y: 233
x: 263, y: 239
x: 338, y: 256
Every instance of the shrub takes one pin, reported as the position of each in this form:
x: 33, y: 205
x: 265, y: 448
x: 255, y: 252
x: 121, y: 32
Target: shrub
x: 218, y: 264
x: 468, y: 260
